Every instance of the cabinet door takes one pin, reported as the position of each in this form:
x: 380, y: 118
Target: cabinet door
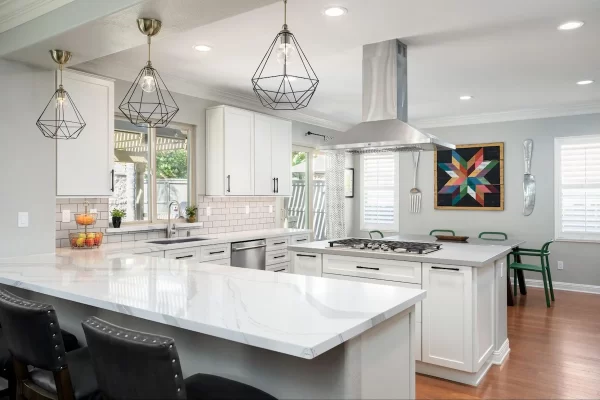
x: 264, y: 184
x: 307, y: 264
x: 448, y: 316
x: 281, y: 156
x: 84, y: 165
x: 238, y: 148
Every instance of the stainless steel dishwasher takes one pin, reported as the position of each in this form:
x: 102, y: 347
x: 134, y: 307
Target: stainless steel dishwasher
x: 251, y: 254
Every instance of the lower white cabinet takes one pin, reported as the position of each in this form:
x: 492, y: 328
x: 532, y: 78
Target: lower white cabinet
x: 183, y: 254
x: 284, y: 267
x: 309, y: 264
x: 157, y: 254
x: 225, y: 261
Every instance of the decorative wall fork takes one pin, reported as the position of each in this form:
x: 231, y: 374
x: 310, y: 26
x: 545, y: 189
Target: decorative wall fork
x: 415, y: 193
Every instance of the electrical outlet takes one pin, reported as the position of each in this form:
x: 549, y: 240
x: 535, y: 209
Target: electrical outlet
x: 271, y: 209
x: 23, y: 220
x: 208, y: 212
x: 66, y: 216
x: 247, y: 209
x: 561, y: 265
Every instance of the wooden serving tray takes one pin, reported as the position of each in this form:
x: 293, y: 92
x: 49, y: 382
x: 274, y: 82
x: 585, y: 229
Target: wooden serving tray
x: 447, y: 238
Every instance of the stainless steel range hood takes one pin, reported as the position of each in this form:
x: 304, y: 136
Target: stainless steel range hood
x: 385, y: 107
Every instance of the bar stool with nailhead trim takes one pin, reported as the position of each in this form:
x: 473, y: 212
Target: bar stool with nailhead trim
x: 135, y: 365
x: 42, y: 367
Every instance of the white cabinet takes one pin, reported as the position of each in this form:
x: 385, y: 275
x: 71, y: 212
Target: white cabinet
x: 373, y: 268
x: 307, y: 264
x: 247, y: 153
x: 272, y: 156
x: 84, y: 166
x: 229, y: 152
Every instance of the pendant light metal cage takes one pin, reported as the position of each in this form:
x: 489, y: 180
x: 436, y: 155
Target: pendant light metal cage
x: 294, y: 87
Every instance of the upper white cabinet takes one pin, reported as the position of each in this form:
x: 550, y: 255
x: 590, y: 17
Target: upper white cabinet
x: 272, y: 156
x: 84, y: 166
x: 247, y: 153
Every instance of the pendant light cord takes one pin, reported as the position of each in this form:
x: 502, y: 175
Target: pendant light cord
x: 149, y: 40
x: 285, y: 13
x: 60, y: 68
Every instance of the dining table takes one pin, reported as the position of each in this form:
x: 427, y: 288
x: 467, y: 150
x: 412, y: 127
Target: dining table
x: 512, y: 243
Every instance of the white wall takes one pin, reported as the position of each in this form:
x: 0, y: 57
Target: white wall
x: 27, y: 161
x: 581, y: 259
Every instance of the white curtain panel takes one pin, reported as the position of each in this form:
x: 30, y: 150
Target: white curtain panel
x: 334, y: 194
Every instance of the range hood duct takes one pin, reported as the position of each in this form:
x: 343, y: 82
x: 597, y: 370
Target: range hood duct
x: 384, y: 106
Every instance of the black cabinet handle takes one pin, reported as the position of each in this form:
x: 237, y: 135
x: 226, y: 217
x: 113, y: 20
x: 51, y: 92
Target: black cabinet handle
x: 306, y: 255
x: 300, y: 240
x: 446, y: 269
x: 274, y: 189
x: 279, y: 270
x: 179, y: 258
x: 374, y: 269
x: 277, y: 181
x: 228, y: 183
x: 112, y: 177
x: 279, y: 256
x: 216, y: 252
x: 278, y: 243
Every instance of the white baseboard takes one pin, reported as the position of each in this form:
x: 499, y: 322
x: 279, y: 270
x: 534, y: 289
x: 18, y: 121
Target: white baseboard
x: 500, y: 355
x: 467, y: 378
x: 571, y: 287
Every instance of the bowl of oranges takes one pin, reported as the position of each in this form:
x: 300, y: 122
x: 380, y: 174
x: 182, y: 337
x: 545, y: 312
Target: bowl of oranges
x: 83, y: 240
x: 85, y: 219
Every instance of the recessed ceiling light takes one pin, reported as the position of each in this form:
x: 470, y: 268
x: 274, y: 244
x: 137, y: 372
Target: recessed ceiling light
x: 466, y: 97
x: 203, y: 48
x: 567, y: 26
x: 335, y: 11
x: 586, y: 82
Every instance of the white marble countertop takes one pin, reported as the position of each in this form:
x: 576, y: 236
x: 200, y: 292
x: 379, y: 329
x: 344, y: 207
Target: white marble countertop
x: 470, y: 255
x: 292, y: 314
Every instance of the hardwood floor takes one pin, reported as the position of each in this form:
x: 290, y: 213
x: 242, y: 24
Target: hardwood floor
x: 555, y: 353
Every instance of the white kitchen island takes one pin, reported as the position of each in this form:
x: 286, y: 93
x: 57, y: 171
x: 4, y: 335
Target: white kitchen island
x: 461, y: 325
x: 289, y: 335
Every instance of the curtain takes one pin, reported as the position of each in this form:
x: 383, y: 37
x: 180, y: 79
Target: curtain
x: 334, y: 194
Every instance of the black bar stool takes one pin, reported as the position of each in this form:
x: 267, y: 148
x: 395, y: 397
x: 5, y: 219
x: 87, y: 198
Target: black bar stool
x: 136, y: 365
x: 34, y: 339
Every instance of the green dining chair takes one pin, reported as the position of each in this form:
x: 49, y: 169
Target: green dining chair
x: 442, y: 231
x: 544, y: 268
x: 376, y: 232
x: 486, y: 235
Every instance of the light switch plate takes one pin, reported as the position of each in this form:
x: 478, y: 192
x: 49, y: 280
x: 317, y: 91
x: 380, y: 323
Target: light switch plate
x: 23, y: 219
x: 247, y: 209
x: 561, y: 265
x: 66, y: 216
x: 271, y: 209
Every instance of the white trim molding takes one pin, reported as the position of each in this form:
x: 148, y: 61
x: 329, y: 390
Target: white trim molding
x: 16, y: 12
x: 570, y: 287
x: 499, y: 356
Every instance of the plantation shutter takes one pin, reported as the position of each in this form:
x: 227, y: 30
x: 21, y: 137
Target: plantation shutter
x: 578, y: 187
x: 380, y: 191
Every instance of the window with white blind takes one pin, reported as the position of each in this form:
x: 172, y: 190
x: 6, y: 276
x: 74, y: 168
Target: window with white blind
x: 577, y: 186
x: 379, y: 195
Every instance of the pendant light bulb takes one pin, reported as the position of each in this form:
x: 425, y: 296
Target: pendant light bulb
x: 286, y: 53
x: 148, y: 83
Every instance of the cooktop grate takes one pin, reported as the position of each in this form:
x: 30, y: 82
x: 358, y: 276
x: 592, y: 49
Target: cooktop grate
x: 386, y: 245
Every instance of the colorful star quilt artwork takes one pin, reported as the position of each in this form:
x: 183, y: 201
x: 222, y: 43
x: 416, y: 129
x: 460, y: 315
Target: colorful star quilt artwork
x: 470, y: 177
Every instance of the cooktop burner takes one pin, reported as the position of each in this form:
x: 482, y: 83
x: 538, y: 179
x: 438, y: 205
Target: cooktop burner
x: 387, y: 245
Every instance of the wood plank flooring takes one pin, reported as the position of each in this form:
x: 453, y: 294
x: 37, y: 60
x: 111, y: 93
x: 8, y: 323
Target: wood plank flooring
x: 555, y: 353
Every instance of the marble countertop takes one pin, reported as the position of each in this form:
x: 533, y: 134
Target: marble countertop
x: 470, y: 255
x: 292, y: 314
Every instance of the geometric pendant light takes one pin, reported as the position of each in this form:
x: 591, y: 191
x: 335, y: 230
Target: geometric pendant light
x: 61, y: 119
x: 148, y: 103
x: 285, y: 80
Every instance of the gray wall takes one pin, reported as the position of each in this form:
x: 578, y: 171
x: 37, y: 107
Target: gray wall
x: 27, y: 161
x: 580, y: 259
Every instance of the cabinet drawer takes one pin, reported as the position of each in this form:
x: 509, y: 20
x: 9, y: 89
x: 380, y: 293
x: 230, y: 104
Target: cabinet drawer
x: 284, y: 267
x: 301, y: 239
x: 389, y: 270
x: 225, y: 261
x: 277, y: 257
x: 278, y: 243
x: 182, y: 254
x: 308, y: 264
x: 157, y: 254
x: 214, y: 252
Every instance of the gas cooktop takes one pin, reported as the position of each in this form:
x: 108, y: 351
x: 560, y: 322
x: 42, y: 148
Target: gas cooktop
x: 386, y: 245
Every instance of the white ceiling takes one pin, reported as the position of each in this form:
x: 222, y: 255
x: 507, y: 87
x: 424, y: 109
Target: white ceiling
x: 16, y: 12
x: 507, y: 54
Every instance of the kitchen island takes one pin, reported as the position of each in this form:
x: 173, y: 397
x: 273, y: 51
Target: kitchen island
x: 289, y: 335
x: 461, y: 325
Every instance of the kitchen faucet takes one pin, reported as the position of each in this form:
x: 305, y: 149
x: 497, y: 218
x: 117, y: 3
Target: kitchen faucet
x: 171, y: 229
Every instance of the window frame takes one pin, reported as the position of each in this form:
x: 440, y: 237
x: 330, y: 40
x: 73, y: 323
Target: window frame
x: 559, y: 235
x: 395, y: 227
x: 152, y: 189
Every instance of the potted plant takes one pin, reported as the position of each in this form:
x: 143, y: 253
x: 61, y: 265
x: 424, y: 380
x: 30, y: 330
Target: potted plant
x: 117, y: 215
x: 190, y: 213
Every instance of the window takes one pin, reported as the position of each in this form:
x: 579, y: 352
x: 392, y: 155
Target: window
x: 577, y: 186
x: 379, y: 195
x: 153, y: 166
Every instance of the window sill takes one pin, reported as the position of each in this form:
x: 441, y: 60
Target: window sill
x: 151, y: 227
x: 578, y: 240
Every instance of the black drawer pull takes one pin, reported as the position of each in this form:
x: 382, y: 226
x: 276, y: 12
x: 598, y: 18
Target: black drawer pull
x: 300, y: 240
x: 216, y: 252
x: 179, y: 258
x: 374, y: 269
x: 446, y: 269
x: 278, y: 243
x: 279, y: 270
x: 306, y: 255
x: 280, y: 256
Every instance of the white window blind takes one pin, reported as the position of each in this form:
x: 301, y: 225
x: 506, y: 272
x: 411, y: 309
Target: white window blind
x: 379, y: 196
x: 577, y: 175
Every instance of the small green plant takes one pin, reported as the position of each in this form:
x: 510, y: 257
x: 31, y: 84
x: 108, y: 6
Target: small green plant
x: 190, y: 212
x: 118, y: 213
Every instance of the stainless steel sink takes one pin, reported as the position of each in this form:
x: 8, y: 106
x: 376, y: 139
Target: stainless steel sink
x: 175, y: 241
